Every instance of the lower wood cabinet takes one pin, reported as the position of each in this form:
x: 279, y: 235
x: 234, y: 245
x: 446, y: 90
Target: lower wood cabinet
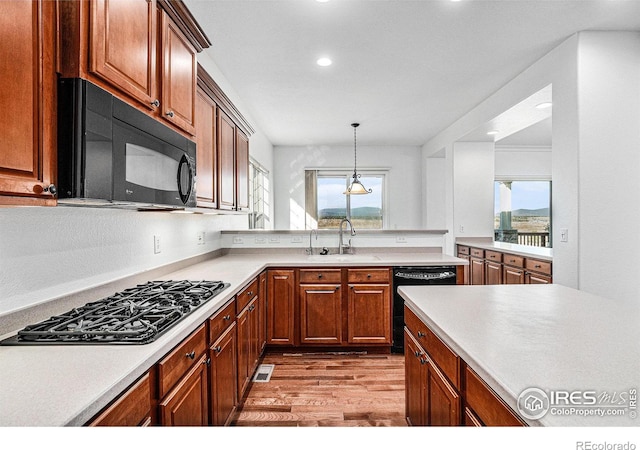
x: 281, y: 298
x: 132, y: 408
x: 369, y: 314
x: 439, y: 392
x: 223, y: 370
x: 320, y: 314
x: 188, y: 403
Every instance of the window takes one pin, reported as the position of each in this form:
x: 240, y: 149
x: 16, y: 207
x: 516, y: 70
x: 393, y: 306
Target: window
x: 523, y: 212
x: 326, y: 204
x: 258, y: 196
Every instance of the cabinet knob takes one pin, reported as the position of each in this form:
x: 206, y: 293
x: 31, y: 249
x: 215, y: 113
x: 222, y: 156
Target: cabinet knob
x: 227, y: 317
x: 250, y: 293
x: 218, y: 349
x: 155, y: 103
x: 368, y: 275
x: 423, y: 360
x: 51, y: 189
x: 319, y: 275
x: 170, y: 113
x: 421, y: 334
x: 191, y: 354
x: 207, y: 362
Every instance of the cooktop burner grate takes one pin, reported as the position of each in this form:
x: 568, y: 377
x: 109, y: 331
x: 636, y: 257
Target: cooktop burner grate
x: 134, y: 316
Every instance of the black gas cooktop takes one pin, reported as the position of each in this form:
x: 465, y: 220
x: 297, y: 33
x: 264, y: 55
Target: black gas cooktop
x: 134, y: 316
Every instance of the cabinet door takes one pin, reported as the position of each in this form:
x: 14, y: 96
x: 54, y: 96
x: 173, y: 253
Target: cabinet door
x: 122, y: 39
x: 226, y: 162
x: 512, y: 275
x: 443, y: 402
x: 369, y: 314
x: 244, y: 350
x: 206, y: 156
x: 179, y: 72
x: 476, y: 268
x: 254, y: 343
x: 415, y: 369
x: 262, y: 311
x: 320, y: 314
x: 132, y: 408
x: 27, y: 93
x: 242, y: 170
x: 223, y: 376
x: 280, y: 306
x: 534, y: 278
x: 493, y: 273
x: 187, y: 404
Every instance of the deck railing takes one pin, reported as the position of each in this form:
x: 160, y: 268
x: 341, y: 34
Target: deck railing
x: 535, y: 239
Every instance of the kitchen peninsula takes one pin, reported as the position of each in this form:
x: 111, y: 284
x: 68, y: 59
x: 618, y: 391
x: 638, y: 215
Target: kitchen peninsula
x: 572, y: 345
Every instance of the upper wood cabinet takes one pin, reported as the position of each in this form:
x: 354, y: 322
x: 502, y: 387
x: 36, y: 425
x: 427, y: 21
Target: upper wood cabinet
x: 179, y: 71
x: 226, y: 161
x: 222, y: 135
x: 143, y: 51
x: 27, y: 95
x: 122, y: 40
x: 206, y: 156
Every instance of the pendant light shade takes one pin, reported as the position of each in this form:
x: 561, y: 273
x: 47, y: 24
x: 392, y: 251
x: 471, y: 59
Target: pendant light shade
x: 356, y: 187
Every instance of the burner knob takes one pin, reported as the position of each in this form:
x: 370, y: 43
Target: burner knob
x: 191, y: 355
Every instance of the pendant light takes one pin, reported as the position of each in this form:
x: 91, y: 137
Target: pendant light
x: 356, y: 187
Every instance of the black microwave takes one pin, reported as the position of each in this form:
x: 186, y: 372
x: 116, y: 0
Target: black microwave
x: 109, y: 153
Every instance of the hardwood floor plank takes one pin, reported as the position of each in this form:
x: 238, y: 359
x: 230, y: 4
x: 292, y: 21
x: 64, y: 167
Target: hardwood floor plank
x: 327, y: 389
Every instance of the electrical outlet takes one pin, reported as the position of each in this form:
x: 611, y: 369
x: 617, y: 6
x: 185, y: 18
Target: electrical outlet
x: 401, y: 239
x: 461, y: 229
x: 200, y: 238
x: 261, y: 240
x: 238, y: 240
x: 296, y: 239
x: 274, y: 240
x: 156, y: 244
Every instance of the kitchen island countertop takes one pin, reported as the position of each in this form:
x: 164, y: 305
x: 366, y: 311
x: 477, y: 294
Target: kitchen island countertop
x: 57, y: 385
x: 548, y: 337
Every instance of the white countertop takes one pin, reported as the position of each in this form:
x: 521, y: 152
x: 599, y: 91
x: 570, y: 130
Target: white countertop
x: 545, y: 336
x: 54, y: 385
x: 515, y: 249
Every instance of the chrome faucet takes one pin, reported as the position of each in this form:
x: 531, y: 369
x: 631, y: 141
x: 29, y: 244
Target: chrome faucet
x: 341, y: 246
x: 311, y: 233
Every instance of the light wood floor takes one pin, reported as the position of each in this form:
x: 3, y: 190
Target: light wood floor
x: 327, y: 390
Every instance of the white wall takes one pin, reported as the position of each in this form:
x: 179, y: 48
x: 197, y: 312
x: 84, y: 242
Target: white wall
x: 595, y: 78
x: 404, y: 197
x: 49, y: 252
x: 434, y: 181
x: 523, y: 163
x: 473, y: 180
x: 609, y: 164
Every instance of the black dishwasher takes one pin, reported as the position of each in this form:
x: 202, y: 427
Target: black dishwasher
x: 414, y: 276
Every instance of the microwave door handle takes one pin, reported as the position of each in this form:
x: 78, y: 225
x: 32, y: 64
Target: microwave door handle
x: 184, y: 163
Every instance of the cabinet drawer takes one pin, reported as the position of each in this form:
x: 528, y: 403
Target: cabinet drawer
x: 488, y: 407
x: 536, y: 265
x: 513, y: 260
x: 181, y: 359
x: 462, y: 250
x: 440, y: 353
x: 247, y: 294
x: 477, y: 252
x: 368, y: 275
x: 493, y: 256
x: 132, y: 408
x: 222, y: 319
x: 320, y: 276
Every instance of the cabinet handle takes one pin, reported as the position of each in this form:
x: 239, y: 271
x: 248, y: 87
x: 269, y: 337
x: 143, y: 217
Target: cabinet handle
x: 155, y: 103
x: 537, y: 266
x: 51, y: 189
x: 423, y: 360
x: 207, y: 362
x: 191, y: 354
x: 417, y: 353
x: 512, y: 261
x: 250, y: 293
x: 218, y: 349
x: 170, y: 113
x: 252, y: 307
x: 227, y: 317
x: 421, y: 334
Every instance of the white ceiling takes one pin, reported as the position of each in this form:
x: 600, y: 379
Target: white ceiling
x: 404, y: 69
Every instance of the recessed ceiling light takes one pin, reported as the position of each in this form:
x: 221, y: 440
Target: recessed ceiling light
x: 493, y: 132
x: 324, y: 62
x: 544, y: 105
